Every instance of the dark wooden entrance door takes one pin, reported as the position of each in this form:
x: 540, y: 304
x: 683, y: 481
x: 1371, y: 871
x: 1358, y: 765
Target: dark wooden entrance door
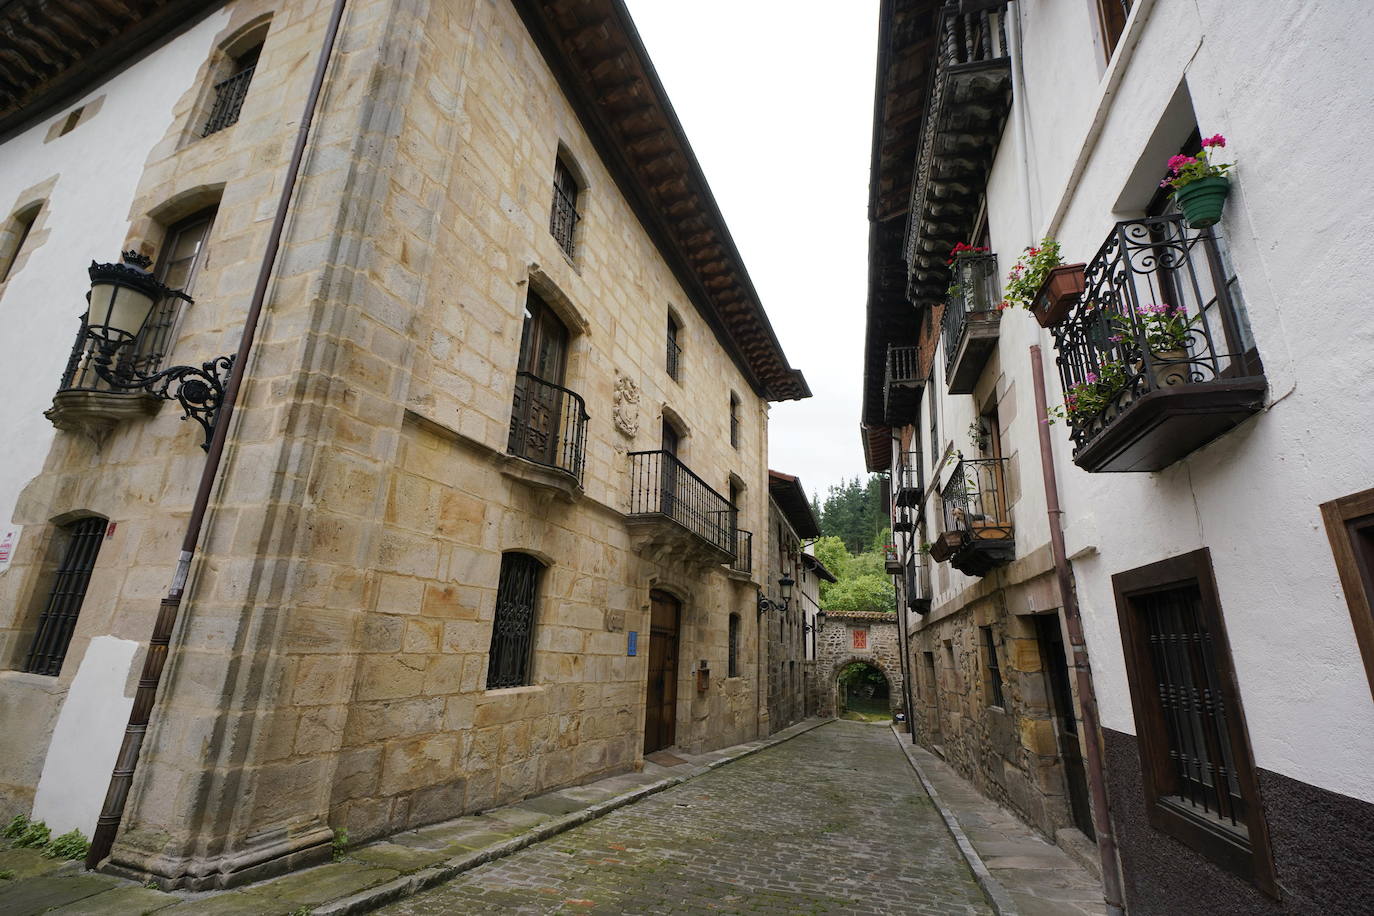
x: 660, y: 707
x: 538, y: 408
x: 1055, y: 663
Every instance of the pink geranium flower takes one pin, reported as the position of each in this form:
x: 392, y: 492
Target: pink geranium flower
x: 1178, y: 162
x: 1214, y: 140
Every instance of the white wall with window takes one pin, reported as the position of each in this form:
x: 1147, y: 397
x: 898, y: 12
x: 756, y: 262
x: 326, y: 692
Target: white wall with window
x: 88, y: 176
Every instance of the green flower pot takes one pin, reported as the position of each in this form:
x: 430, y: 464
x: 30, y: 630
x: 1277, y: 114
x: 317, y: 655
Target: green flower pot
x: 1201, y: 201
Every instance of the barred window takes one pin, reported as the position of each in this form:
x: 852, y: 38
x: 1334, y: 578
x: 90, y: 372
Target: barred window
x: 1199, y: 779
x: 994, y: 671
x: 674, y: 354
x: 734, y: 421
x: 734, y: 646
x: 230, y: 93
x: 512, y: 631
x: 57, y: 622
x: 564, y: 217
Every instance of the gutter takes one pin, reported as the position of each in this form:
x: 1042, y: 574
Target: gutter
x: 159, y: 644
x: 1073, y: 621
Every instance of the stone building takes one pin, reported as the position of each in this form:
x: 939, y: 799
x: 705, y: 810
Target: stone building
x: 790, y: 624
x: 857, y: 636
x: 1191, y: 524
x: 482, y: 522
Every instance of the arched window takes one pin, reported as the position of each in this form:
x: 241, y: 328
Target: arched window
x: 733, y: 669
x: 512, y: 630
x: 80, y: 545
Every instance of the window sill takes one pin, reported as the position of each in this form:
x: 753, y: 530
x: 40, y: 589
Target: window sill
x: 496, y: 692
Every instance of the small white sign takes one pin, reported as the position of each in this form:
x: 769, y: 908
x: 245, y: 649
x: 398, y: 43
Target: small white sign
x: 8, y: 541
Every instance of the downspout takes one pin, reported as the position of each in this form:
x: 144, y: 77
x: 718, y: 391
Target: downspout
x: 1073, y: 620
x: 902, y: 639
x: 159, y: 644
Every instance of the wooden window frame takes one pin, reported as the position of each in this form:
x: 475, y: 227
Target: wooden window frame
x: 1344, y: 518
x: 1250, y: 858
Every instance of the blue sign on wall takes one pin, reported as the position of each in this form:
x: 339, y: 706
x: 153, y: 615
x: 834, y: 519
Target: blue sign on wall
x: 632, y: 643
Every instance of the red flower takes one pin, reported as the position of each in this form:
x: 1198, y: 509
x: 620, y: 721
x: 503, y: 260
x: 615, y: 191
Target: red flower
x: 1215, y: 140
x: 1178, y: 162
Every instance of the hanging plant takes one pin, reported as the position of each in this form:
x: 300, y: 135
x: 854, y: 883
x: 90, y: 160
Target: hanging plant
x: 1200, y: 184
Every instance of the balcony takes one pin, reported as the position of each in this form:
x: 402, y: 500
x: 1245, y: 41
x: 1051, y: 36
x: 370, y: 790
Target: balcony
x: 548, y: 428
x: 972, y: 321
x: 903, y: 386
x: 674, y: 514
x: 909, y: 482
x: 977, y: 536
x: 892, y: 560
x: 969, y: 102
x: 918, y: 594
x: 1156, y: 358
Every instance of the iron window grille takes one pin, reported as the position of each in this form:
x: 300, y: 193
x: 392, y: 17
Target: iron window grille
x: 995, y: 695
x: 734, y: 421
x: 744, y: 551
x: 974, y: 502
x: 57, y: 622
x: 733, y: 667
x: 674, y: 352
x: 229, y: 96
x: 1198, y: 774
x: 1150, y: 276
x: 563, y: 218
x: 512, y: 631
x: 548, y: 424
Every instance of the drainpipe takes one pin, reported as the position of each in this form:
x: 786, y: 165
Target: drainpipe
x: 902, y: 638
x: 159, y: 644
x: 1073, y: 620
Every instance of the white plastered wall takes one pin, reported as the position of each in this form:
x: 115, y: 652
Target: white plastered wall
x: 97, y: 166
x: 1276, y: 79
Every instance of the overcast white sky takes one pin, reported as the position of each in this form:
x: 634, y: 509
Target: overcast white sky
x: 777, y: 99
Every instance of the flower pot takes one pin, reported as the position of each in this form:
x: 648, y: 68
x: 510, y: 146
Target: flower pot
x: 1201, y: 201
x: 1061, y: 289
x: 1169, y: 368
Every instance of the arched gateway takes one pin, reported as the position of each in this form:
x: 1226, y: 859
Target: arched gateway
x: 856, y: 636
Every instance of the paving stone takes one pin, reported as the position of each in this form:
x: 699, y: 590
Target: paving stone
x: 37, y: 895
x: 327, y: 882
x: 403, y: 859
x: 232, y: 903
x: 28, y: 863
x: 789, y: 830
x: 128, y: 899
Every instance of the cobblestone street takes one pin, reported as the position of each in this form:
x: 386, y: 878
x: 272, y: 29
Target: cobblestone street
x: 833, y: 821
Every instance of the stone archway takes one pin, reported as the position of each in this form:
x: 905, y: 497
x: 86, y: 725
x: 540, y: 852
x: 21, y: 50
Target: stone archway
x: 839, y: 645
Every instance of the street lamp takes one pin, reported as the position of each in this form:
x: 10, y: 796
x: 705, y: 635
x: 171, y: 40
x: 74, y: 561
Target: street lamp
x: 784, y: 589
x: 122, y: 297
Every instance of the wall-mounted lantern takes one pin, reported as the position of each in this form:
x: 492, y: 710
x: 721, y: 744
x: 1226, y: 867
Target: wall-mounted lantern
x: 121, y: 300
x: 784, y: 590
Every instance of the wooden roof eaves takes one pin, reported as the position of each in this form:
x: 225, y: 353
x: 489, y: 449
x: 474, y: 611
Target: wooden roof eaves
x: 770, y: 376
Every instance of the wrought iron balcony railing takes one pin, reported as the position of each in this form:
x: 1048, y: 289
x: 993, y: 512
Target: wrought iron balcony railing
x: 229, y: 96
x: 661, y: 485
x: 971, y: 320
x: 548, y: 425
x: 904, y: 385
x: 1156, y: 358
x: 918, y: 594
x: 977, y: 531
x: 744, y: 551
x: 910, y: 480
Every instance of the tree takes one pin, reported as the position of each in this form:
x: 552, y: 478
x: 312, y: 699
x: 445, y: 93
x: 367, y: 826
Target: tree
x: 830, y: 551
x: 854, y: 512
x: 867, y: 592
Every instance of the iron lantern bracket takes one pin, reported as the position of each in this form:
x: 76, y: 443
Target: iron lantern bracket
x: 766, y: 604
x: 199, y: 390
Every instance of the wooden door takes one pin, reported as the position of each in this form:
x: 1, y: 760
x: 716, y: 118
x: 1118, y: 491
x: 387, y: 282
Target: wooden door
x: 660, y: 706
x: 537, y: 414
x: 1055, y: 663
